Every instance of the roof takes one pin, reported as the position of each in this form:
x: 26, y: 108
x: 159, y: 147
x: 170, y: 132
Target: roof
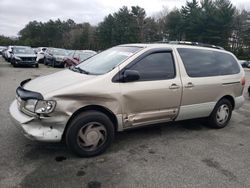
x: 175, y: 45
x: 21, y: 46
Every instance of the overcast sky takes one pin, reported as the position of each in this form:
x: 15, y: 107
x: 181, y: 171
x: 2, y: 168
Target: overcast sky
x: 15, y: 14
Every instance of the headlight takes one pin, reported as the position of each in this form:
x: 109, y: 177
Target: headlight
x: 30, y: 105
x: 18, y: 58
x: 45, y: 107
x: 40, y: 106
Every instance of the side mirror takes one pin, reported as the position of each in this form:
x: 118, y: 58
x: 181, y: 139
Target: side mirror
x: 130, y: 76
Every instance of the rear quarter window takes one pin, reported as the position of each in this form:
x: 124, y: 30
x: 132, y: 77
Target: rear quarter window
x: 205, y: 63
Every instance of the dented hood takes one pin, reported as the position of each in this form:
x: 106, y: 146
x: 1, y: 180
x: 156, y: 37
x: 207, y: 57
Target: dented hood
x: 55, y: 81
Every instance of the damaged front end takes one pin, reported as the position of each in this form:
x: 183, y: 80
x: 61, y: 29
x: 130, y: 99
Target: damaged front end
x: 31, y: 112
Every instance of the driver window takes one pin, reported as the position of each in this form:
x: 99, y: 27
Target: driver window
x: 156, y: 66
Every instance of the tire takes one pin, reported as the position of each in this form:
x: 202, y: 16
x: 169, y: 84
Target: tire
x: 53, y: 64
x: 13, y: 62
x: 219, y: 120
x: 36, y: 65
x: 97, y: 134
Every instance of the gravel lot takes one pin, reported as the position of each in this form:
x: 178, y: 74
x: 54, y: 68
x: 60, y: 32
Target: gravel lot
x: 184, y: 154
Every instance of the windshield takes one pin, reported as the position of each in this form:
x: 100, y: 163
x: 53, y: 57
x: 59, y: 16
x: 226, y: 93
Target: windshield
x: 83, y: 55
x: 59, y: 52
x: 70, y: 53
x: 108, y: 59
x: 23, y: 50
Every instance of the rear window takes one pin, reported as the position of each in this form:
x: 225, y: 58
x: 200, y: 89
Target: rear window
x: 205, y: 63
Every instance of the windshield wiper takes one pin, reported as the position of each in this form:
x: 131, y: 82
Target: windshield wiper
x: 78, y: 69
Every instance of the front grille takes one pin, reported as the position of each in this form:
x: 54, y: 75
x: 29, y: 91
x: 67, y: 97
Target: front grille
x: 28, y: 58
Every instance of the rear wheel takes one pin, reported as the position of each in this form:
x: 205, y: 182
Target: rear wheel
x: 221, y: 114
x: 90, y: 134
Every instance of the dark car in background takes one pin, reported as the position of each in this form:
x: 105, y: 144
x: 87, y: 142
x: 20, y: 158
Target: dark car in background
x: 245, y: 63
x: 54, y: 57
x: 77, y: 57
x: 23, y: 56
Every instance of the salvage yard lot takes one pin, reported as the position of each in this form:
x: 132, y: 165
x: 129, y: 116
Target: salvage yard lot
x: 183, y: 154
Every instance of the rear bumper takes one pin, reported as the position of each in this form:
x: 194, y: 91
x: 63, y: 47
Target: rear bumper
x: 239, y: 101
x: 33, y: 128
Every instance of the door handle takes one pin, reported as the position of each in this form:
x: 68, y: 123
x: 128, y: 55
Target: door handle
x: 174, y: 86
x: 189, y: 85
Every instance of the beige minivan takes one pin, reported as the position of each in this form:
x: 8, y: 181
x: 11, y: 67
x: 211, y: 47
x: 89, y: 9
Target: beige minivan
x: 129, y: 86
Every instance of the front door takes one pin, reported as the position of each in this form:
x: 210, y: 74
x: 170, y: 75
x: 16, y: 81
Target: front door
x: 156, y: 96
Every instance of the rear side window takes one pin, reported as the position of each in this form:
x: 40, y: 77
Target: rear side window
x: 155, y: 66
x: 205, y: 63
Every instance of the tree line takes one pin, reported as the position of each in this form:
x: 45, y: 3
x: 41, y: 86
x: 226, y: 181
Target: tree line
x: 215, y: 22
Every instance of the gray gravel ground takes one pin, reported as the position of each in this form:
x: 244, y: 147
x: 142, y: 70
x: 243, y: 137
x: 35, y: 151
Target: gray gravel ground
x: 184, y: 154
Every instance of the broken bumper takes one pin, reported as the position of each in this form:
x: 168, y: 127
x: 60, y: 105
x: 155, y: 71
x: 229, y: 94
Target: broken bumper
x: 239, y: 101
x: 34, y: 128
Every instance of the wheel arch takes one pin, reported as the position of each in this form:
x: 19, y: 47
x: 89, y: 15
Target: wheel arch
x: 230, y: 98
x: 98, y: 108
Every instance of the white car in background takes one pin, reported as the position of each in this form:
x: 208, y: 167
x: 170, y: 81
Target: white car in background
x: 40, y: 54
x: 8, y: 53
x: 1, y: 49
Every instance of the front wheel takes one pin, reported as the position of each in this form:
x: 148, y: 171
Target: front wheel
x: 13, y: 62
x: 90, y: 134
x: 221, y: 114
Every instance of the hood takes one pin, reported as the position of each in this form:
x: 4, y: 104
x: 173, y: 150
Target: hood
x: 72, y: 60
x: 59, y: 56
x: 55, y: 81
x: 25, y: 55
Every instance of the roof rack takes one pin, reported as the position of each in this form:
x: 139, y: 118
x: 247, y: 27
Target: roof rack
x: 192, y: 44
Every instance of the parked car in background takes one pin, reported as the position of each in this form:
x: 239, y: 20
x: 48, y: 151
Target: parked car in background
x: 242, y: 62
x: 1, y: 49
x: 41, y: 54
x: 245, y: 63
x: 35, y: 50
x: 23, y: 56
x: 7, y: 53
x: 77, y: 57
x: 4, y: 53
x: 54, y: 57
x: 129, y: 86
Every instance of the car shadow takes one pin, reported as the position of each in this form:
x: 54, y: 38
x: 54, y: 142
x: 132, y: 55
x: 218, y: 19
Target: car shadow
x: 39, y: 150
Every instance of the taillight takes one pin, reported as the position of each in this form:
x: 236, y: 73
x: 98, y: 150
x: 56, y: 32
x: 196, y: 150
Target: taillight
x: 243, y: 81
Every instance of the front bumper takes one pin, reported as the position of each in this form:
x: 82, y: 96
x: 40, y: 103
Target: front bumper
x: 58, y: 63
x: 239, y: 101
x: 26, y: 62
x: 34, y: 128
